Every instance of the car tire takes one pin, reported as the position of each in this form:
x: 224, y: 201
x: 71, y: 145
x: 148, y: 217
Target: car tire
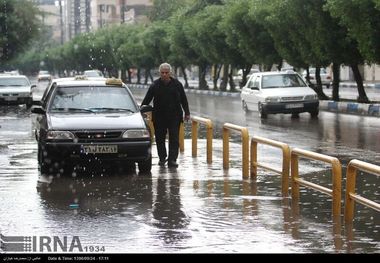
x: 29, y: 103
x: 244, y: 106
x: 262, y: 113
x: 314, y: 113
x: 42, y: 162
x: 145, y: 166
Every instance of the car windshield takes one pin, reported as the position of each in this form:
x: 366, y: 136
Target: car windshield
x: 44, y: 72
x: 282, y: 81
x: 92, y: 99
x: 14, y: 82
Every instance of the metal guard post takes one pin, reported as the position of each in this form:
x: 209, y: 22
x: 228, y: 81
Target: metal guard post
x: 245, y: 146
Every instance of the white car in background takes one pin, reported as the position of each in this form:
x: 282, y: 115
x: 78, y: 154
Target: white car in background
x: 93, y: 73
x: 44, y: 75
x: 279, y: 92
x: 325, y: 77
x: 16, y: 89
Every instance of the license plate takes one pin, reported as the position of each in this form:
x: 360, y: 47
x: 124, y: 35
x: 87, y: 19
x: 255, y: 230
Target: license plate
x: 99, y: 148
x: 293, y: 106
x: 10, y: 98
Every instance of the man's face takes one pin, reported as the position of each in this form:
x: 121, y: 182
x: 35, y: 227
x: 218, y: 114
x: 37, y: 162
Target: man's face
x: 165, y: 74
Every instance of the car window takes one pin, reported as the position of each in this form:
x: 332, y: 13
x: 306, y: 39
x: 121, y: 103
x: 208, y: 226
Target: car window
x: 44, y: 72
x: 282, y: 81
x: 14, y: 82
x: 96, y: 98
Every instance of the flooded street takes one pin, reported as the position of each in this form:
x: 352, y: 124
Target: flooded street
x: 197, y: 208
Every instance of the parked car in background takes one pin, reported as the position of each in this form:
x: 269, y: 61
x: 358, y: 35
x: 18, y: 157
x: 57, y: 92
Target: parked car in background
x: 279, y: 92
x: 44, y: 75
x: 325, y: 77
x: 91, y: 121
x: 93, y: 73
x: 16, y: 89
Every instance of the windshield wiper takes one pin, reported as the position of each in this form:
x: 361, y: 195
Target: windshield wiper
x: 111, y: 109
x: 72, y: 109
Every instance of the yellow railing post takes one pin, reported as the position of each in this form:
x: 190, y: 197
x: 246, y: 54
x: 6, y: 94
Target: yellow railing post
x: 245, y: 146
x: 181, y: 137
x: 194, y: 136
x: 351, y: 197
x: 336, y: 190
x: 285, y: 161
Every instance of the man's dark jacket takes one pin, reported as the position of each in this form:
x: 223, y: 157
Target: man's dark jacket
x: 168, y: 100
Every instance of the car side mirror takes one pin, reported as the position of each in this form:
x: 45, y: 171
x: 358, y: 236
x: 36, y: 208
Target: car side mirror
x: 33, y: 86
x: 145, y: 108
x: 255, y: 88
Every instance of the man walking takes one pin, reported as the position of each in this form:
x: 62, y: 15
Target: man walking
x: 169, y: 103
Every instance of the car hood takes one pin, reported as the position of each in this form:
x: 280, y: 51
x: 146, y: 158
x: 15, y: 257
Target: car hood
x: 14, y: 89
x: 282, y: 92
x: 69, y: 121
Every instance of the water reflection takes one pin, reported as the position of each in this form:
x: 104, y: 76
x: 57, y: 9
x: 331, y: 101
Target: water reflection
x: 168, y: 211
x: 96, y: 195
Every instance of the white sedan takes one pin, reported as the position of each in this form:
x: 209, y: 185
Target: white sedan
x: 15, y: 89
x: 279, y: 92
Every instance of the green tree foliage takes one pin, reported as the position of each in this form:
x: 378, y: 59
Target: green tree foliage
x: 18, y: 26
x: 362, y: 19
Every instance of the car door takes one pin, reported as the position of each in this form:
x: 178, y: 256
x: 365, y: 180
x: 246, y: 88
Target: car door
x: 253, y: 91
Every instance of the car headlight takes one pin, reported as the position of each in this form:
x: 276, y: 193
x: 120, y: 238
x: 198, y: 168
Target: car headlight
x: 59, y: 135
x: 272, y: 99
x: 138, y: 133
x: 311, y: 97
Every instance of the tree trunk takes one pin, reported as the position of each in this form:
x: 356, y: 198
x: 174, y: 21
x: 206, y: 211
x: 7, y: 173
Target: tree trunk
x: 202, y: 77
x: 359, y: 82
x: 182, y: 68
x: 123, y: 75
x: 246, y: 71
x: 216, y: 76
x: 138, y: 76
x: 318, y: 87
x: 231, y: 80
x: 223, y: 85
x: 336, y: 80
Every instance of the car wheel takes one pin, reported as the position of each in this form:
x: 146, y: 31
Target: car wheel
x: 145, y: 166
x: 314, y: 113
x: 29, y: 103
x: 295, y: 115
x: 244, y: 106
x: 42, y: 163
x: 263, y: 114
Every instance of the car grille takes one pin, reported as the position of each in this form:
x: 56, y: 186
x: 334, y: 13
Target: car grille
x: 298, y: 98
x: 97, y: 135
x: 13, y: 94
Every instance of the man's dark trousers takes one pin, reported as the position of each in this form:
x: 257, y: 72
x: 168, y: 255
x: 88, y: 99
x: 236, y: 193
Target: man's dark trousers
x: 160, y: 129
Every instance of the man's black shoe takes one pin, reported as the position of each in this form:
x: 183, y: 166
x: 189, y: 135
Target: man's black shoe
x: 172, y: 164
x: 162, y: 162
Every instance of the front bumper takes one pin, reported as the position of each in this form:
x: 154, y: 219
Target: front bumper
x: 290, y: 107
x: 129, y: 151
x: 15, y: 100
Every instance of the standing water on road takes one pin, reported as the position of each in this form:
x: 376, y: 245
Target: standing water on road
x: 197, y: 208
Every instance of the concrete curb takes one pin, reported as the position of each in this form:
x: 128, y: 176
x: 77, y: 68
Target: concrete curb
x: 324, y: 105
x: 350, y: 107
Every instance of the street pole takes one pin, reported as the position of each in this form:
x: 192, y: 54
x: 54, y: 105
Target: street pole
x: 122, y: 11
x: 61, y: 20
